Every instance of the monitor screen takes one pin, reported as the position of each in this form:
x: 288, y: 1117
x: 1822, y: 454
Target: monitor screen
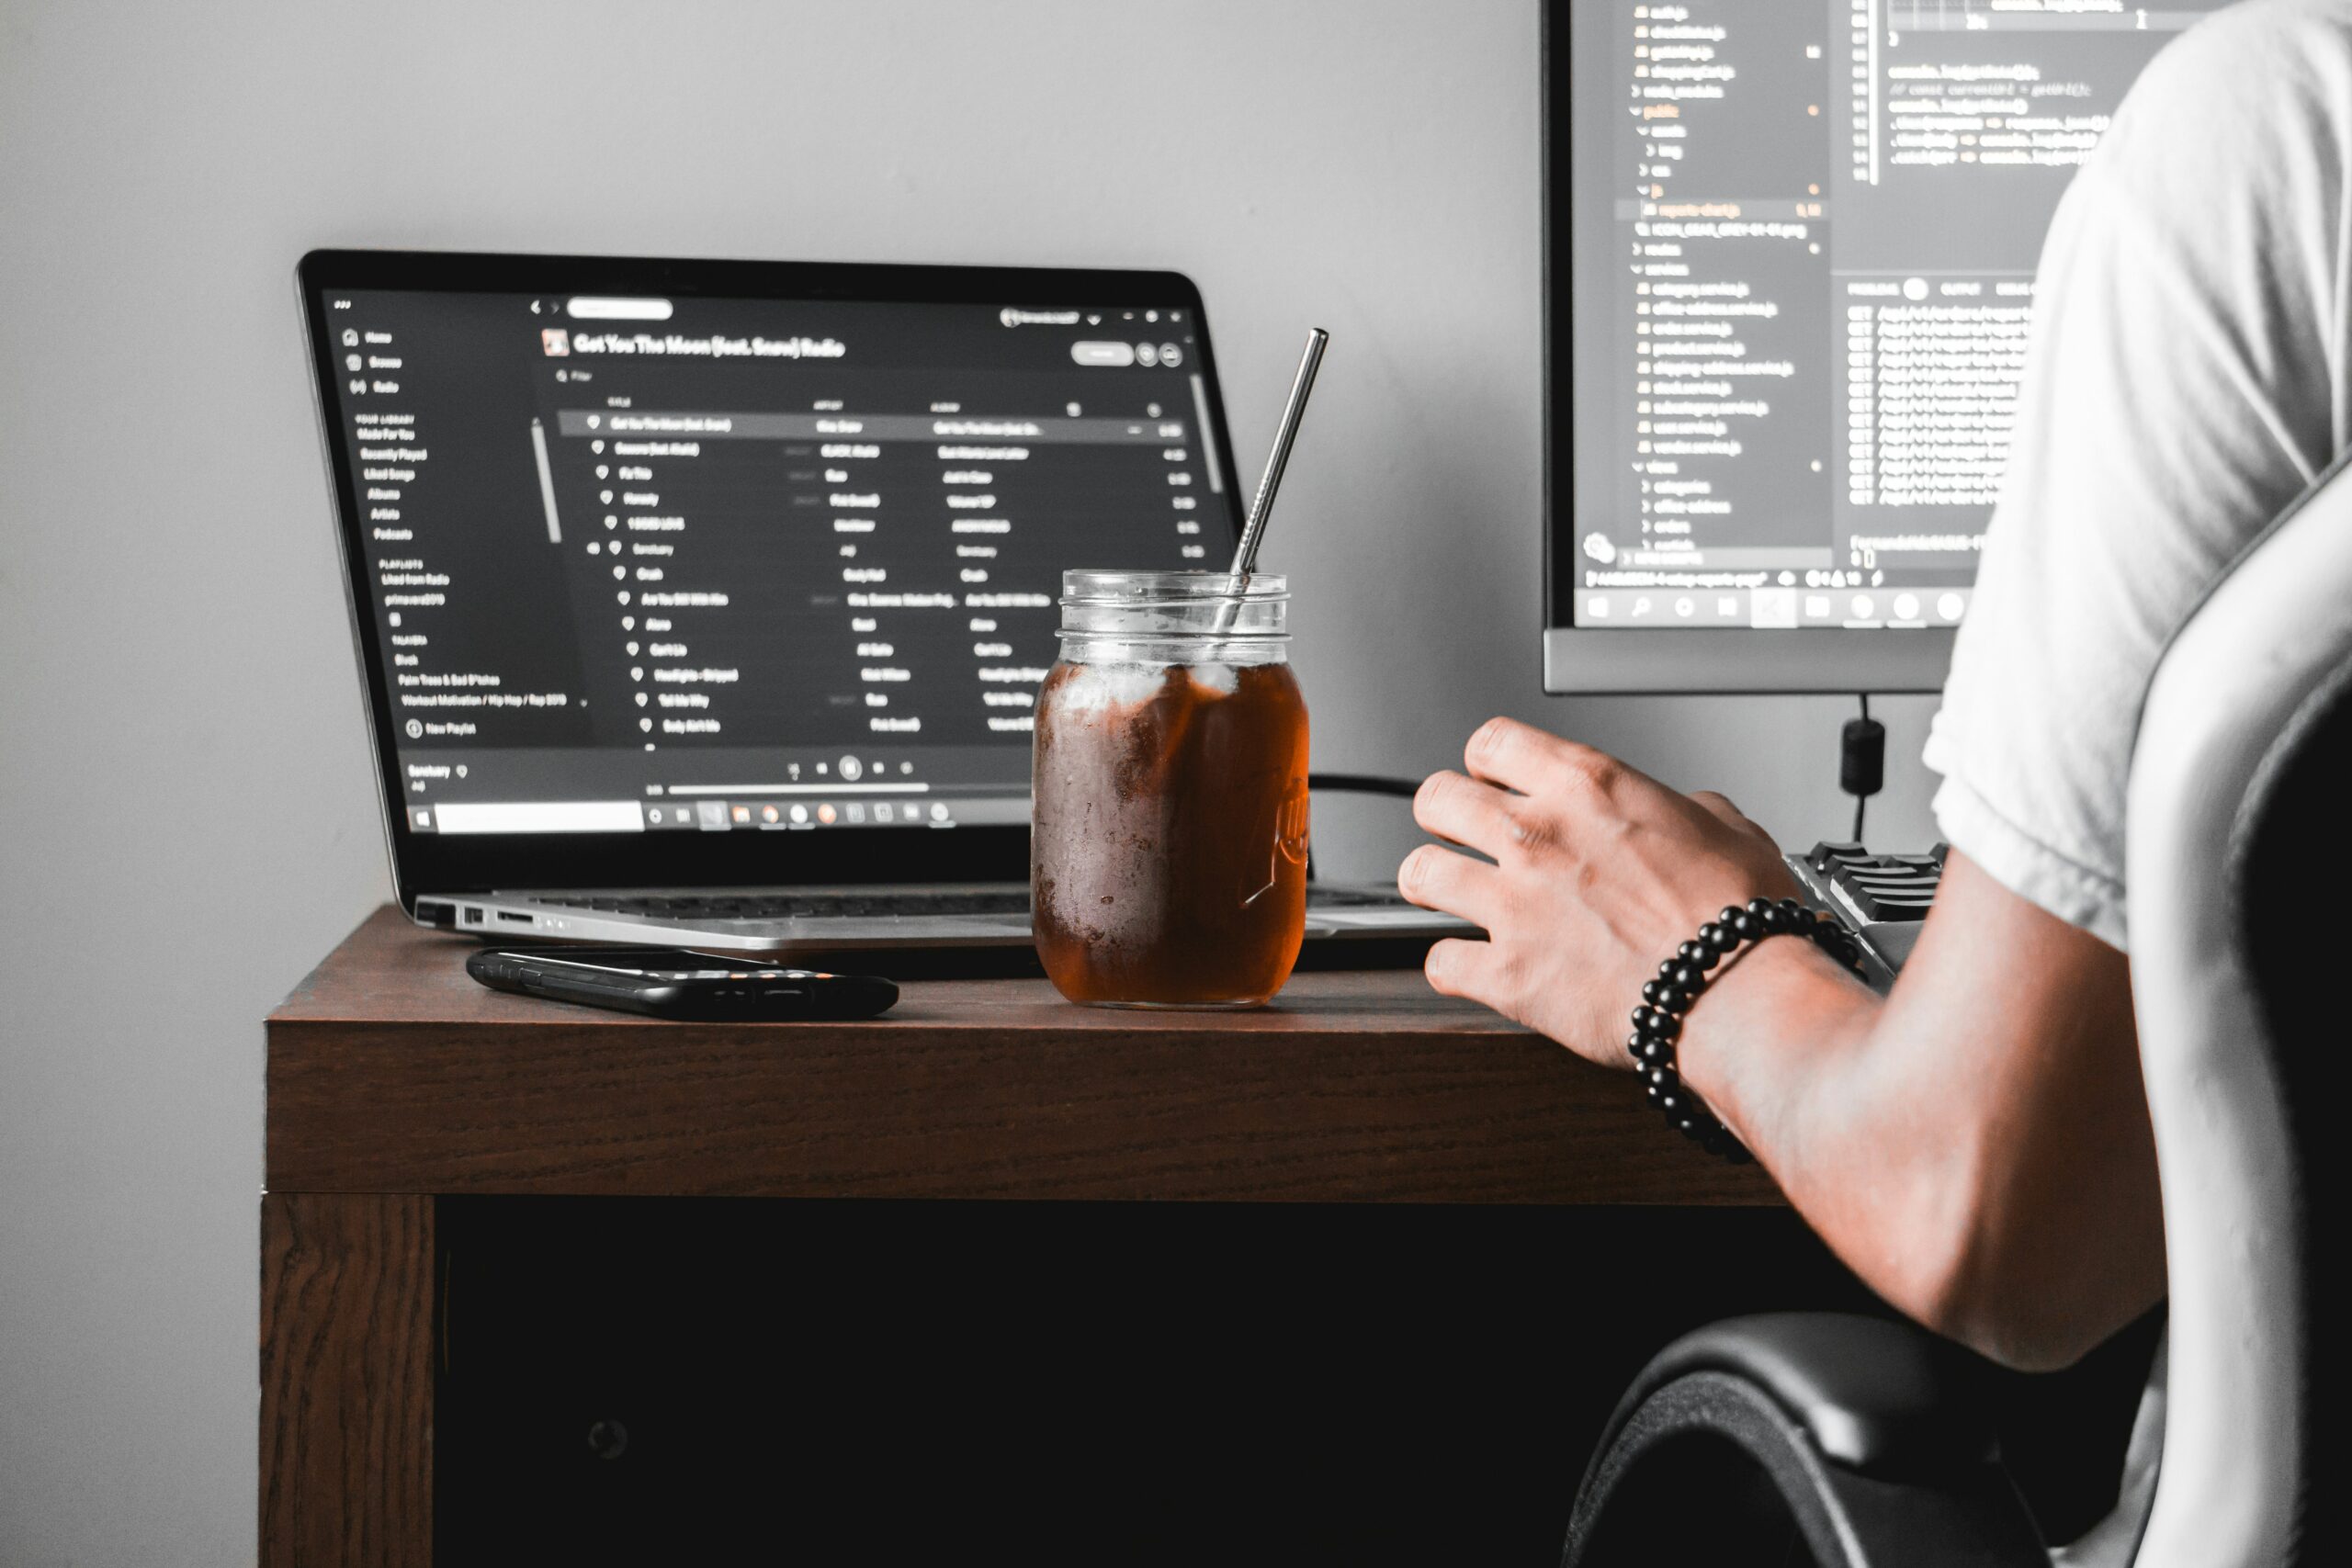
x: 676, y: 563
x: 1792, y: 252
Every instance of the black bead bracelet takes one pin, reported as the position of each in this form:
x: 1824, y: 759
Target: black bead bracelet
x: 1658, y: 1022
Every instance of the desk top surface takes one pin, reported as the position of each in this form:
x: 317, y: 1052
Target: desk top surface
x: 390, y: 1069
x: 390, y: 971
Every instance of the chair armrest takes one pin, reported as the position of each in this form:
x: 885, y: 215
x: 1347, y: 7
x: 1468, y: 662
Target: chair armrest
x: 1879, y: 1397
x: 1866, y: 1442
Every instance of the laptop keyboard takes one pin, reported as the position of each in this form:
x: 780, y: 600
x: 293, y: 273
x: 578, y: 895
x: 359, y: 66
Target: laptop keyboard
x: 788, y: 905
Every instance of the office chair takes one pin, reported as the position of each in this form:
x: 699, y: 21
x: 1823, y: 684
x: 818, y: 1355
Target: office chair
x: 1862, y: 1441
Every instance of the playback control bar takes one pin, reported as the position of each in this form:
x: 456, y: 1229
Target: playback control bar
x: 900, y: 808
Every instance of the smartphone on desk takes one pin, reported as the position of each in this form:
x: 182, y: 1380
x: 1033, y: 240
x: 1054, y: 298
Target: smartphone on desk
x: 679, y: 983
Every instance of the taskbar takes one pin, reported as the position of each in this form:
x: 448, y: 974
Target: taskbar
x: 776, y: 807
x: 1768, y: 608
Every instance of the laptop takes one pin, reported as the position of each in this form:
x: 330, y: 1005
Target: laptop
x: 704, y: 603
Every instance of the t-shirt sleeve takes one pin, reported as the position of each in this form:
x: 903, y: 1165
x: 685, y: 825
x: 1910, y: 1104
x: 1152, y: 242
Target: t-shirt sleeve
x: 2184, y: 382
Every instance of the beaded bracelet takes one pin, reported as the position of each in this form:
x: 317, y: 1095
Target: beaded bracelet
x: 1658, y: 1022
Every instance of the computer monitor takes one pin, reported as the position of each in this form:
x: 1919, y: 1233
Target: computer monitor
x: 1789, y: 248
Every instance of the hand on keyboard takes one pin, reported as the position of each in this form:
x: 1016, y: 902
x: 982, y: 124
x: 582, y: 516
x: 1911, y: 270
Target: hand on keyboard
x: 1595, y: 873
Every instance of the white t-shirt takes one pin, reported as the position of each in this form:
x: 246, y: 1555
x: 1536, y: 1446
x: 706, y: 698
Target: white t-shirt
x: 2187, y: 377
x: 2192, y: 346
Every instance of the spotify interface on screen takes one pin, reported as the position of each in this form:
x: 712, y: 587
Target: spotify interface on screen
x: 638, y: 565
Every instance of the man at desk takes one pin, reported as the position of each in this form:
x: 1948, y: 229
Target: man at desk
x: 1976, y: 1144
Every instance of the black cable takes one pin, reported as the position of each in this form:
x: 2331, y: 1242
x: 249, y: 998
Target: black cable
x: 1366, y: 783
x: 1861, y: 800
x: 1361, y: 783
x: 1861, y: 760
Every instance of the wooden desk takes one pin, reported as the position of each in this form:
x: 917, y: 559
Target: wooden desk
x: 394, y: 1079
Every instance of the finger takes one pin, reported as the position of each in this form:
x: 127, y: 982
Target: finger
x: 1466, y: 811
x: 1440, y: 879
x: 1521, y: 757
x: 1458, y: 966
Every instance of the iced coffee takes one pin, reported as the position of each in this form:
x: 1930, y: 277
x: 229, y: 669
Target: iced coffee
x: 1169, y: 852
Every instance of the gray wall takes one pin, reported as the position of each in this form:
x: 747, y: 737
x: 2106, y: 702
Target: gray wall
x: 186, y: 818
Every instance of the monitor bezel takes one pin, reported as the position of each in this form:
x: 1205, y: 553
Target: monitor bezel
x: 1584, y: 661
x: 435, y: 864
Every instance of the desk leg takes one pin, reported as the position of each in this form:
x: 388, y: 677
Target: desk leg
x: 346, y: 1381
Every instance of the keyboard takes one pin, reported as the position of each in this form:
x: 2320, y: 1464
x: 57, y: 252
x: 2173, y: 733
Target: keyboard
x: 1867, y: 888
x: 1882, y: 898
x: 787, y: 905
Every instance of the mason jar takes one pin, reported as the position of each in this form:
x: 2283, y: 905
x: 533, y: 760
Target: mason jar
x: 1167, y: 856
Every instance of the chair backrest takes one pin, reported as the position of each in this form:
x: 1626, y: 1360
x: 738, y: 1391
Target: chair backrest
x: 2235, y: 854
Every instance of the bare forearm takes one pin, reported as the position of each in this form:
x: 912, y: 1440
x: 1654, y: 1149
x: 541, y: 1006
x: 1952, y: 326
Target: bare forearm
x: 1783, y: 1047
x: 2004, y: 1196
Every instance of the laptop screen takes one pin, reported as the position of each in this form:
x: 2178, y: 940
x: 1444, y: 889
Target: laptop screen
x: 674, y: 562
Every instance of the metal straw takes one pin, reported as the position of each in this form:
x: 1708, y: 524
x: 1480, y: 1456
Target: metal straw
x: 1253, y: 532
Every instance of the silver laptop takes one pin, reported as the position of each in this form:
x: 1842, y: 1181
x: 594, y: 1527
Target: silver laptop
x: 705, y: 602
